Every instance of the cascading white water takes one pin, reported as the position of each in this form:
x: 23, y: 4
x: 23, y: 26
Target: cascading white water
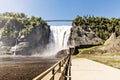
x: 59, y: 36
x: 58, y: 39
x: 13, y: 49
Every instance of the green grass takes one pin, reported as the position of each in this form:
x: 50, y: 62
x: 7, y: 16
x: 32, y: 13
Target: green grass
x: 111, y: 59
x: 86, y: 49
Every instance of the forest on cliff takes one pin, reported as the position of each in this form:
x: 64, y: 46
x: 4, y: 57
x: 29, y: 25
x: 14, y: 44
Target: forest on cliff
x: 102, y: 26
x: 11, y: 23
x: 18, y: 28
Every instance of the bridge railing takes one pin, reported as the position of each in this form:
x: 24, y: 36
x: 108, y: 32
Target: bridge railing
x: 58, y: 20
x: 59, y: 71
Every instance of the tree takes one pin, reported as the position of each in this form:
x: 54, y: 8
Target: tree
x: 102, y: 26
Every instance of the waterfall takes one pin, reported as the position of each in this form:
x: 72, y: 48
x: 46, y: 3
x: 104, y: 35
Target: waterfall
x: 59, y: 36
x: 58, y: 39
x: 14, y: 49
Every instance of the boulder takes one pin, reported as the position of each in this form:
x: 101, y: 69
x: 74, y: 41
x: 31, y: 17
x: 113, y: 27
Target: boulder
x: 62, y: 53
x: 112, y: 44
x: 111, y: 38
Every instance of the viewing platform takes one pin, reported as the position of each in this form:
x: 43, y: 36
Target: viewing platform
x: 81, y: 69
x: 84, y: 69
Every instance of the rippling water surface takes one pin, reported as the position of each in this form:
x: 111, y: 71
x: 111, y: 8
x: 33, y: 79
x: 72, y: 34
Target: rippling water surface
x: 23, y: 67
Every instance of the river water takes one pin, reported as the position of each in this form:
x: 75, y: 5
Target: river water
x: 23, y: 68
x: 16, y: 67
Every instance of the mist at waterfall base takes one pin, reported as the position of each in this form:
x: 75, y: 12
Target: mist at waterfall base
x: 58, y: 40
x: 17, y: 67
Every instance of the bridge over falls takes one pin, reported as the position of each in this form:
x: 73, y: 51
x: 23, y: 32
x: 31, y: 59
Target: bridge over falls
x: 58, y: 20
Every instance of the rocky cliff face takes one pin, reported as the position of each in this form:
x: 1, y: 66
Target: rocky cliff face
x: 86, y: 36
x: 35, y: 42
x: 111, y: 45
x: 23, y: 35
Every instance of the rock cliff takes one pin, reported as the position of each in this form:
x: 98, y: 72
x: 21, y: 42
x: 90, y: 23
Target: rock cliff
x: 111, y: 45
x: 86, y: 36
x: 22, y: 35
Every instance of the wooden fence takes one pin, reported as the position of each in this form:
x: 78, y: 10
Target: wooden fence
x: 60, y: 71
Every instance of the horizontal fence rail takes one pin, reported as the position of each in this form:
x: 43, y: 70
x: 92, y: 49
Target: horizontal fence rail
x: 59, y: 71
x: 58, y: 20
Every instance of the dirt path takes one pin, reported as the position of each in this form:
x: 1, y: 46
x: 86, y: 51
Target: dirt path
x: 84, y: 69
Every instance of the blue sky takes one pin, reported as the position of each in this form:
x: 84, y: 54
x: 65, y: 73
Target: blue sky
x: 62, y: 9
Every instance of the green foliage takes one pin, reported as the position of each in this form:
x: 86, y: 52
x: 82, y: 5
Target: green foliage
x: 10, y: 29
x: 15, y: 15
x: 102, y: 26
x: 27, y: 30
x: 14, y: 23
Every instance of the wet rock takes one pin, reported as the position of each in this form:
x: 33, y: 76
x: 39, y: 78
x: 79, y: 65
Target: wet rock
x: 62, y: 53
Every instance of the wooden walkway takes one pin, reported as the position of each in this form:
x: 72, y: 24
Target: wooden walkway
x: 84, y: 69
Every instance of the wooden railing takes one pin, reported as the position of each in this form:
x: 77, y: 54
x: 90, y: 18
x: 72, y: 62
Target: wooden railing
x: 59, y: 71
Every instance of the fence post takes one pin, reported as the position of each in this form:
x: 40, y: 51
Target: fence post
x: 60, y: 67
x: 53, y: 76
